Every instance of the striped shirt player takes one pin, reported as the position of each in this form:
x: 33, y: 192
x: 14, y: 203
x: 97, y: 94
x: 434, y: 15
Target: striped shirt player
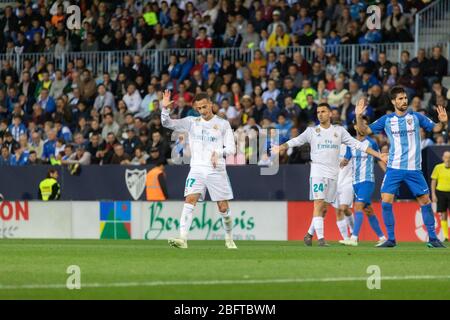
x: 363, y: 186
x: 404, y: 164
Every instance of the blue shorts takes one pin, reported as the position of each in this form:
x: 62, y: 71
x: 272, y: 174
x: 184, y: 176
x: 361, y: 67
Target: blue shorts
x: 364, y: 191
x: 414, y: 179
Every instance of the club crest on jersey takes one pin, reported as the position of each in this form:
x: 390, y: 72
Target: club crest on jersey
x: 335, y: 135
x: 409, y: 121
x: 216, y: 127
x: 318, y: 130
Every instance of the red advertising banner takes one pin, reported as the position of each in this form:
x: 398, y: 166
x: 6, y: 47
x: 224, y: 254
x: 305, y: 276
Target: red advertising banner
x: 408, y: 222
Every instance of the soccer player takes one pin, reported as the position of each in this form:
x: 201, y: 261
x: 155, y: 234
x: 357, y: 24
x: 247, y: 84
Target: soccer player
x: 402, y: 129
x: 211, y: 139
x: 364, y: 185
x: 440, y: 191
x: 325, y: 140
x: 344, y: 194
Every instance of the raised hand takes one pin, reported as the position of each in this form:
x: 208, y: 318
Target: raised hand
x: 360, y: 107
x: 166, y: 102
x: 442, y: 114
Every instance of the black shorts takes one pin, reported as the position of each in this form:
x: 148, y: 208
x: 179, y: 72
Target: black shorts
x: 443, y: 201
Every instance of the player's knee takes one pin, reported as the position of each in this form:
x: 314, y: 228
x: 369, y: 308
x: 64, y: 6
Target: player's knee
x: 424, y: 200
x: 223, y: 207
x: 191, y: 200
x: 387, y: 198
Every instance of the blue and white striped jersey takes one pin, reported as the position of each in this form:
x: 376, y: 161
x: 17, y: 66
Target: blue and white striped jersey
x: 404, y: 138
x: 363, y: 163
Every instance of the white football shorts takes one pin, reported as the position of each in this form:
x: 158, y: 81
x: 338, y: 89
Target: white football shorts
x: 344, y: 196
x: 322, y: 189
x: 216, y: 181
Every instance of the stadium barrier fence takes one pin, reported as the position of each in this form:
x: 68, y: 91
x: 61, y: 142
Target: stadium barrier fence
x: 110, y: 61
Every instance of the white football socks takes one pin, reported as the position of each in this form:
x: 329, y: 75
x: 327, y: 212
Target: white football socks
x: 318, y: 226
x: 186, y: 220
x: 342, y: 226
x: 227, y: 223
x: 311, y: 227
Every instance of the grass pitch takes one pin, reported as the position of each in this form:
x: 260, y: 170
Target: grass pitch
x: 36, y: 269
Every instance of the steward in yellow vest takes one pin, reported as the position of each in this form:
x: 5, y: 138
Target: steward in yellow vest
x: 49, y: 188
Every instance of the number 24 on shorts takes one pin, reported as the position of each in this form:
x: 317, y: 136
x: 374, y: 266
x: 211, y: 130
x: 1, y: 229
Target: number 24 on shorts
x: 189, y: 182
x: 318, y: 187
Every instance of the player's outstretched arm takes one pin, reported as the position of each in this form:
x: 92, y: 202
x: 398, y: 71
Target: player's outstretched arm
x: 359, y: 111
x: 166, y: 121
x: 443, y: 119
x: 383, y: 157
x: 305, y: 137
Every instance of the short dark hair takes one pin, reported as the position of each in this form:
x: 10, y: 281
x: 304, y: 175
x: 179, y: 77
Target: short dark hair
x: 324, y: 104
x: 51, y: 171
x: 396, y: 90
x: 200, y: 96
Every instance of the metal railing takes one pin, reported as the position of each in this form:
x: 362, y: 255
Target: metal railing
x: 110, y: 61
x: 432, y: 25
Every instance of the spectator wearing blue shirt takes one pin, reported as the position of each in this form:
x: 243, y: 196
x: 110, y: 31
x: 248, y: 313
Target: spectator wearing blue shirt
x: 284, y: 128
x: 299, y: 25
x: 355, y: 8
x: 62, y: 131
x: 20, y: 158
x: 272, y: 110
x: 210, y: 64
x: 47, y: 103
x: 371, y: 36
x: 11, y: 99
x: 36, y: 28
x: 49, y: 145
x: 182, y: 68
x: 332, y: 43
x: 17, y: 128
x: 368, y: 80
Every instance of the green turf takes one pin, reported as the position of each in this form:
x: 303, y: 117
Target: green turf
x: 44, y: 262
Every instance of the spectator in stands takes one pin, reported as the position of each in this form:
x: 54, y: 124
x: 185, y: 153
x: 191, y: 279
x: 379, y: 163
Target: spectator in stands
x: 81, y: 157
x: 119, y: 156
x: 278, y: 39
x: 109, y: 126
x: 437, y: 67
x: 336, y: 97
x: 424, y: 140
x: 396, y: 26
x: 104, y: 98
x: 132, y: 99
x: 140, y: 157
x: 414, y: 82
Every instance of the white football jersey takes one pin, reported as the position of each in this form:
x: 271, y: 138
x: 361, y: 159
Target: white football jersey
x: 204, y: 138
x: 325, y: 147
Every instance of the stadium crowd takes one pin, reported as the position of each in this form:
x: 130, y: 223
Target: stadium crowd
x: 49, y: 115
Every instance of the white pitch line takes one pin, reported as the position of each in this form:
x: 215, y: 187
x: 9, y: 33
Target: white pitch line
x: 217, y: 282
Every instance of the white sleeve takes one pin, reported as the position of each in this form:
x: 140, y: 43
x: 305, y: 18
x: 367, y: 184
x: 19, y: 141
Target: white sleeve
x: 305, y: 137
x: 348, y: 140
x: 229, y: 147
x: 174, y: 124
